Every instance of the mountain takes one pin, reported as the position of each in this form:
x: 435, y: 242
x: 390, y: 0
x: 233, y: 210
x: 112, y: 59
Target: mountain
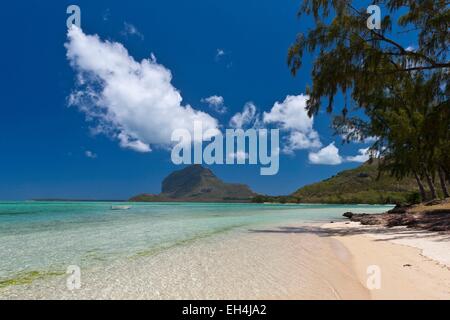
x: 359, y: 185
x: 198, y: 184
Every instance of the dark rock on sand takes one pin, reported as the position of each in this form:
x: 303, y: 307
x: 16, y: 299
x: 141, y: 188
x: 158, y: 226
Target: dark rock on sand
x: 399, y: 209
x: 433, y: 218
x: 348, y: 215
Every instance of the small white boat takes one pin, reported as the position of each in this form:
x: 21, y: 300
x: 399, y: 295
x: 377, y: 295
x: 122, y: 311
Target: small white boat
x: 120, y: 207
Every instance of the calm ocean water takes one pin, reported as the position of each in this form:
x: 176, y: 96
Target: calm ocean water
x: 49, y: 236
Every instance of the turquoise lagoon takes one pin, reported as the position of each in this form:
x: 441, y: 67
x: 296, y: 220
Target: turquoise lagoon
x: 42, y: 238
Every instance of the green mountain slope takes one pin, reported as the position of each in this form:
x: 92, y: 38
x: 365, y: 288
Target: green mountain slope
x: 360, y: 185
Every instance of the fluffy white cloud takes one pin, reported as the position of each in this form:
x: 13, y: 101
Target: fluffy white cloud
x: 216, y: 103
x: 300, y: 141
x: 247, y: 117
x: 328, y: 155
x: 291, y: 116
x: 134, y: 102
x: 127, y: 143
x: 362, y: 156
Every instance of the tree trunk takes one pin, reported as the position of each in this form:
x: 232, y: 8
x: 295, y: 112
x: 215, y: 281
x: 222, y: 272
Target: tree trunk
x: 431, y: 185
x: 443, y: 183
x: 423, y: 194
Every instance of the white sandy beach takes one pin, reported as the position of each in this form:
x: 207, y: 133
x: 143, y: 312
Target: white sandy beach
x: 414, y: 264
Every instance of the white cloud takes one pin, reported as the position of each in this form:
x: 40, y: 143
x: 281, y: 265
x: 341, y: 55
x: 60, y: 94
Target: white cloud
x: 216, y: 103
x: 363, y: 156
x: 131, y: 30
x: 128, y: 143
x: 291, y: 115
x: 134, y: 102
x: 246, y: 118
x: 328, y: 155
x: 300, y: 141
x: 90, y: 154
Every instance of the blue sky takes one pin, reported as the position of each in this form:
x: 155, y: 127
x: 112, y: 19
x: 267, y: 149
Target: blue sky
x: 232, y: 49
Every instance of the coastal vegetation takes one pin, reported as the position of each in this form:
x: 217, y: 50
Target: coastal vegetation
x: 396, y: 95
x: 360, y: 185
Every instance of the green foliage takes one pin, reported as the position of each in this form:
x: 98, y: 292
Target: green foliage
x: 403, y: 92
x: 361, y: 185
x: 414, y: 198
x: 368, y: 59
